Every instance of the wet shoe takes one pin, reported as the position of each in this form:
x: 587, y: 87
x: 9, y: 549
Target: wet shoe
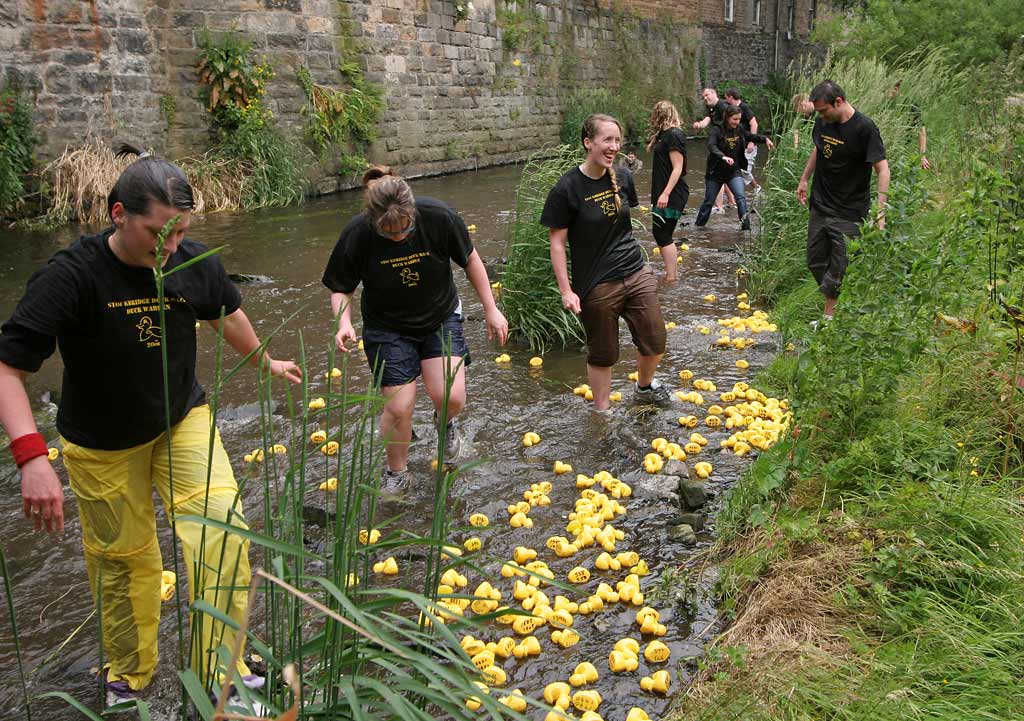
x: 394, y: 481
x: 119, y: 692
x: 655, y: 394
x: 453, y: 439
x: 717, y: 211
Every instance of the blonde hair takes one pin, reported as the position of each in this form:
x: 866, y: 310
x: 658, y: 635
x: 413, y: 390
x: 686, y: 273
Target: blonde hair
x: 587, y: 133
x: 389, y: 200
x: 797, y: 100
x: 663, y: 116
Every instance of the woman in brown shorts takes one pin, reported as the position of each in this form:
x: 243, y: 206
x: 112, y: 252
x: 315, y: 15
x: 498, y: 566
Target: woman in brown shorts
x: 609, y: 279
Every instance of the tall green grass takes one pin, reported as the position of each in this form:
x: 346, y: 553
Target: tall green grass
x: 872, y: 564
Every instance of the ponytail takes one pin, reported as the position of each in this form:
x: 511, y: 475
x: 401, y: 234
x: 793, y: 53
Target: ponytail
x: 389, y: 200
x: 615, y: 188
x: 149, y: 179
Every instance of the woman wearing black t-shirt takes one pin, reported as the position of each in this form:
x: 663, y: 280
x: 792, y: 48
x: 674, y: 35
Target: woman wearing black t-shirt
x: 401, y: 249
x: 669, y: 191
x: 609, y: 280
x: 726, y: 158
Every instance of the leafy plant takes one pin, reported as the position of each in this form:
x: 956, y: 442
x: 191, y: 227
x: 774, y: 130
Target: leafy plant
x: 18, y: 141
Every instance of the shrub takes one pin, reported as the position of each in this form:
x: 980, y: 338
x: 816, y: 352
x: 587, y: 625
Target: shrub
x: 17, y: 147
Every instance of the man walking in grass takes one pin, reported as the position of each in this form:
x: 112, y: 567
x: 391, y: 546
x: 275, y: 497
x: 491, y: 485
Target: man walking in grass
x: 847, y: 145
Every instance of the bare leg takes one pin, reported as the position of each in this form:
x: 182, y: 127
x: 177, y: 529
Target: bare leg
x: 645, y: 367
x: 434, y: 379
x: 830, y: 306
x: 396, y: 423
x: 600, y: 385
x: 669, y: 253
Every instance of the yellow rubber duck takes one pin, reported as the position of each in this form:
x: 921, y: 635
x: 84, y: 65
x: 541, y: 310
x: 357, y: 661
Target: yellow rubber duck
x: 565, y: 637
x: 637, y: 714
x: 560, y: 468
x: 515, y: 701
x: 685, y: 375
x: 494, y: 676
x: 317, y: 404
x: 620, y: 661
x: 703, y: 330
x: 472, y: 544
x: 702, y: 469
x: 554, y: 693
x: 503, y: 358
x: 529, y: 646
x: 710, y: 298
x: 615, y: 396
x: 713, y: 421
x: 640, y: 569
x: 330, y: 448
x: 656, y: 250
x: 278, y: 449
x: 496, y: 285
x: 658, y: 682
x: 584, y: 673
x: 360, y: 344
x: 331, y: 484
x: 520, y: 520
x: 167, y: 579
x: 536, y: 362
x: 688, y: 421
x: 670, y: 325
x: 318, y: 437
x: 479, y: 520
x: 581, y: 389
x: 653, y: 462
x: 523, y: 555
x: 578, y: 575
x: 471, y: 227
x: 388, y: 567
x: 656, y: 652
x: 634, y: 376
x: 335, y: 373
x: 742, y: 364
x: 628, y: 558
x: 52, y: 454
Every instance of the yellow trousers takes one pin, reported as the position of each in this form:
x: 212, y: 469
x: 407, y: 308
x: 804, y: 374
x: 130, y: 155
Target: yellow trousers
x: 122, y: 556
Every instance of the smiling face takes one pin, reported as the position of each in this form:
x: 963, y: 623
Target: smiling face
x: 710, y: 96
x: 135, y: 237
x: 604, y: 145
x: 732, y: 121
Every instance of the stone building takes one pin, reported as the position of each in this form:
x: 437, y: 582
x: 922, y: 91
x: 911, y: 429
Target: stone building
x: 459, y: 91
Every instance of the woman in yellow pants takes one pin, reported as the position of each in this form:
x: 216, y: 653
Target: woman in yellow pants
x: 95, y: 300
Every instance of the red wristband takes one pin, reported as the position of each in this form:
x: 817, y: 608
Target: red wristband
x: 27, y: 447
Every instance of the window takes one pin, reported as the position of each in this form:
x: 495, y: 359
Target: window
x: 756, y: 13
x: 729, y: 10
x: 812, y: 15
x: 791, y: 19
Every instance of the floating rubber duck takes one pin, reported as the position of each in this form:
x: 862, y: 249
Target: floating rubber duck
x: 503, y: 358
x: 742, y: 296
x: 331, y: 484
x: 388, y: 567
x: 702, y: 469
x: 743, y: 306
x: 471, y: 227
x: 530, y: 439
x: 715, y: 410
x: 710, y: 298
x: 560, y: 468
x: 523, y: 555
x: 688, y: 421
x: 494, y: 676
x: 742, y: 364
x: 318, y: 437
x: 317, y: 404
x: 255, y: 457
x: 628, y: 558
x: 640, y: 569
x: 653, y: 462
x: 335, y: 373
x: 637, y: 714
x: 52, y: 454
x: 278, y: 449
x: 479, y: 520
x: 578, y: 575
x: 167, y: 580
x: 634, y: 376
x: 360, y: 344
x: 658, y: 682
x: 472, y: 544
x: 713, y: 421
x: 368, y: 537
x: 620, y: 661
x: 685, y: 374
x: 558, y: 693
x: 703, y: 330
x: 656, y: 652
x: 520, y: 520
x: 670, y: 325
x: 581, y: 390
x: 514, y: 701
x: 536, y: 362
x: 615, y: 396
x: 656, y: 250
x: 584, y: 673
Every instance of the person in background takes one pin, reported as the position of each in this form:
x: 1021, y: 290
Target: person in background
x: 669, y: 191
x: 847, y: 146
x: 95, y: 300
x: 748, y: 121
x: 587, y: 209
x: 804, y: 109
x: 922, y: 132
x: 632, y: 163
x: 715, y: 108
x: 726, y: 160
x: 400, y: 248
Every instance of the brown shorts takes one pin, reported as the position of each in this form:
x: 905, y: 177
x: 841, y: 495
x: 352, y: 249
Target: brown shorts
x: 634, y: 298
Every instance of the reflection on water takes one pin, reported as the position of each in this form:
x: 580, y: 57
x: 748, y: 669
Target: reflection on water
x: 291, y: 246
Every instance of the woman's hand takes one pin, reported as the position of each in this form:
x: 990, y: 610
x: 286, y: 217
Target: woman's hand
x: 497, y: 326
x: 284, y: 369
x: 345, y: 333
x: 729, y: 161
x: 41, y: 495
x: 663, y: 200
x: 571, y: 302
x: 769, y: 144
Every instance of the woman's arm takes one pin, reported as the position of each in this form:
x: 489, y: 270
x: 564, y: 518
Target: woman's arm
x: 560, y: 264
x: 477, y: 274
x: 677, y: 170
x: 41, y: 495
x: 341, y: 308
x: 239, y: 334
x: 713, y: 148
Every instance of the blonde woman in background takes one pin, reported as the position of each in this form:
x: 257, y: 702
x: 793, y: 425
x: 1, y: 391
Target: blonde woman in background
x: 669, y: 191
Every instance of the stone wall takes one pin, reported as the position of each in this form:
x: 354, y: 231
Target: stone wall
x: 458, y: 93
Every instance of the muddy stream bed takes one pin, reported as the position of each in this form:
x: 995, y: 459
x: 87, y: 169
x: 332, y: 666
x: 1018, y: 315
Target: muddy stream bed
x: 289, y: 248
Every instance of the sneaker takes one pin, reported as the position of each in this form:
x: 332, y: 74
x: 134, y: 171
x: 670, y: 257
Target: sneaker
x: 655, y: 394
x: 757, y: 190
x: 815, y: 324
x: 394, y: 481
x: 119, y: 692
x: 717, y: 211
x: 453, y: 439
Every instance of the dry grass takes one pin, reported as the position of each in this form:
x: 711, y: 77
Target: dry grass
x: 80, y: 179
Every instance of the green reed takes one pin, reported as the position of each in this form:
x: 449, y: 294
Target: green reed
x: 530, y: 298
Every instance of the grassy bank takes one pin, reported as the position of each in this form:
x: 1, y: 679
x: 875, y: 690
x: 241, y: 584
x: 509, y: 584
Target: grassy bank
x: 872, y: 562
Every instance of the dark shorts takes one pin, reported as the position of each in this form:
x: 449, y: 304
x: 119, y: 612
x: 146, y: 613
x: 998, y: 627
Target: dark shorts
x: 636, y: 300
x: 826, y: 250
x: 397, y: 356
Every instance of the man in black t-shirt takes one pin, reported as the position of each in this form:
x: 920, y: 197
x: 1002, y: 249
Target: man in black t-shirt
x: 847, y: 145
x: 714, y: 107
x: 748, y: 121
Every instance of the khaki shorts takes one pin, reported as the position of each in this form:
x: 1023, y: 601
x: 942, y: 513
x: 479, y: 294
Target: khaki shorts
x: 636, y: 300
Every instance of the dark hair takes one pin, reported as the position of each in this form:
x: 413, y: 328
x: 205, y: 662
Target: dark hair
x: 389, y: 200
x: 733, y: 93
x: 149, y: 179
x: 730, y: 111
x: 827, y: 91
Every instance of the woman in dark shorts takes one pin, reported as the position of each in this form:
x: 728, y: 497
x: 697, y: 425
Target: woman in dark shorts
x: 669, y: 191
x: 401, y: 249
x: 609, y: 280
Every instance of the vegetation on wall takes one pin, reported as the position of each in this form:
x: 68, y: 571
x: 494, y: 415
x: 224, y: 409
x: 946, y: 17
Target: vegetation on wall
x: 522, y: 29
x: 18, y: 142
x: 344, y: 119
x: 234, y: 87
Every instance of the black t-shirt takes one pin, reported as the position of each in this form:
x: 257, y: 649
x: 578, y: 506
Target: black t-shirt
x: 842, y: 170
x: 729, y: 142
x: 668, y: 140
x: 717, y: 111
x: 746, y: 115
x: 105, y: 318
x: 408, y: 287
x: 601, y: 244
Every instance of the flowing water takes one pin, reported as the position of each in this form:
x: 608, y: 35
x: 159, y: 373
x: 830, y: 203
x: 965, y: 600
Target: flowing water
x: 290, y: 247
